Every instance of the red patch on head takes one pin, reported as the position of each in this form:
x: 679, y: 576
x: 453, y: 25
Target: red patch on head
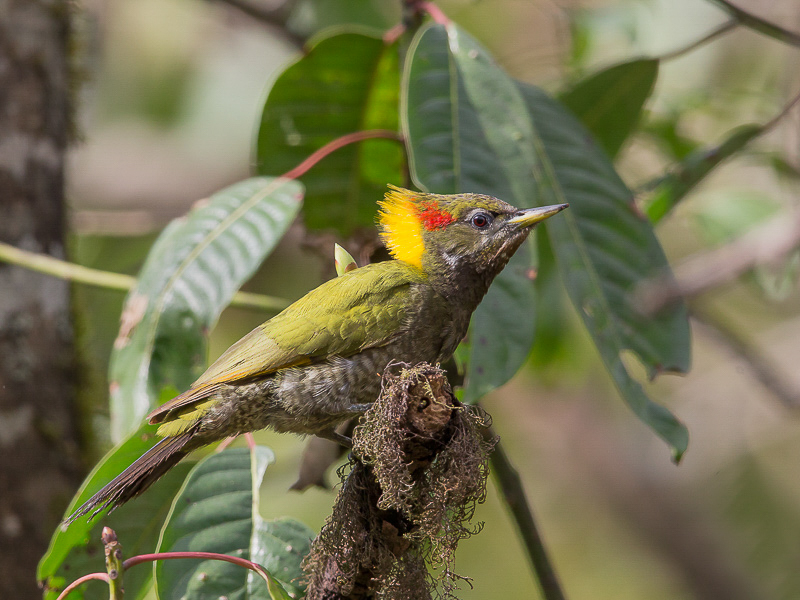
x: 433, y: 217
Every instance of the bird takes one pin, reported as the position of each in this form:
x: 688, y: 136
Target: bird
x: 319, y: 361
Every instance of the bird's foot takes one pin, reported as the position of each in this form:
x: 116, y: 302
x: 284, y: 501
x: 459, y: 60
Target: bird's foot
x: 338, y: 438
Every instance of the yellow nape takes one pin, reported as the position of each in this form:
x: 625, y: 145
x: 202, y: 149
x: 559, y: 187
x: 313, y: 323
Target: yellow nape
x: 401, y: 227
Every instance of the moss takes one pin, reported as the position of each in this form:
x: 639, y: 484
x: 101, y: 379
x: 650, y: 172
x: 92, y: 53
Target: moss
x: 418, y: 470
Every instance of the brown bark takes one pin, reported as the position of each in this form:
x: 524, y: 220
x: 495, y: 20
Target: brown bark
x: 38, y: 449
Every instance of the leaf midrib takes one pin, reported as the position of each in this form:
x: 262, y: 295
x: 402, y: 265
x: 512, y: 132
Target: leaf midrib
x: 158, y: 307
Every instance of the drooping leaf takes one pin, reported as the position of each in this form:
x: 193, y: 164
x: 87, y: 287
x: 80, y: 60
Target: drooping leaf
x: 78, y: 550
x: 217, y: 511
x: 467, y: 130
x: 190, y: 275
x: 604, y: 247
x: 610, y: 102
x: 345, y: 83
x: 553, y: 327
x: 675, y: 185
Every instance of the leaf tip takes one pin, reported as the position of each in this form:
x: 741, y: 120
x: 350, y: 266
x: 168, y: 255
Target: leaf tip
x: 636, y: 210
x: 678, y: 443
x: 677, y: 454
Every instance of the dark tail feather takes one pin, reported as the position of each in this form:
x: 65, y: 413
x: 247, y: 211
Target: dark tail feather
x: 134, y: 480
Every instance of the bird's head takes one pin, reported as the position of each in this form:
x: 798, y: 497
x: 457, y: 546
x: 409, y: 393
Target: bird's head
x: 462, y: 239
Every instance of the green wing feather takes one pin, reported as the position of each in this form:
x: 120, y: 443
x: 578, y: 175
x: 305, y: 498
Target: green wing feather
x: 364, y: 308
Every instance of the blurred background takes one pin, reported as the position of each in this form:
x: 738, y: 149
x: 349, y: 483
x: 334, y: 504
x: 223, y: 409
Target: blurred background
x: 170, y: 94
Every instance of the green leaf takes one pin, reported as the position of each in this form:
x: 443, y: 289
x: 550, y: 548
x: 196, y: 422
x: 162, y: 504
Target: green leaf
x: 276, y: 590
x: 610, y: 102
x: 469, y: 127
x: 604, y: 247
x: 217, y: 511
x: 675, y: 185
x: 666, y: 132
x: 553, y: 327
x: 190, y: 275
x: 78, y: 550
x: 468, y: 130
x: 501, y: 333
x: 345, y: 83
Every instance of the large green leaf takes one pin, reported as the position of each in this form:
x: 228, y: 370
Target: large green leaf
x: 468, y: 130
x: 604, y: 247
x: 217, y: 511
x: 610, y: 102
x: 471, y: 128
x: 77, y: 550
x: 191, y: 274
x: 346, y: 83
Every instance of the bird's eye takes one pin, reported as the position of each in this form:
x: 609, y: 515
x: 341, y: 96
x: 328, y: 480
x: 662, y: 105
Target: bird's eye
x: 481, y: 220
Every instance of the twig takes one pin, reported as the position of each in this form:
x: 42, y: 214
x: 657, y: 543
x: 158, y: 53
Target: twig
x: 49, y: 265
x: 113, y: 552
x: 42, y: 263
x: 758, y: 24
x: 784, y: 111
x: 681, y: 178
x: 514, y: 496
x: 759, y: 364
x: 275, y: 17
x: 707, y: 270
x: 340, y: 142
x: 435, y: 13
x: 81, y: 580
x: 721, y: 30
x: 242, y: 562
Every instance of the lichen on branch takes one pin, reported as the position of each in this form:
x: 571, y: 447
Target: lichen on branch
x: 417, y: 472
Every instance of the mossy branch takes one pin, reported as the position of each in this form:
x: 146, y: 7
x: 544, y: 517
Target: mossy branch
x: 419, y: 470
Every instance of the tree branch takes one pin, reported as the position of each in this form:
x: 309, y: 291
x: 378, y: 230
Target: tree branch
x: 275, y: 18
x: 517, y: 502
x: 729, y: 25
x: 761, y: 367
x: 419, y: 468
x: 756, y: 23
x: 707, y: 270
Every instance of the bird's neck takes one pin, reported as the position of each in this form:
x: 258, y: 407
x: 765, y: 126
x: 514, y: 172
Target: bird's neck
x: 458, y: 281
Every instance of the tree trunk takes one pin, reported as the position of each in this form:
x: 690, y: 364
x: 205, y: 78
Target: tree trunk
x: 39, y: 460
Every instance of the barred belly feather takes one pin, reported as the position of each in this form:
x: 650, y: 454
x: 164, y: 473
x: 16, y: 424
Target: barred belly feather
x: 302, y: 400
